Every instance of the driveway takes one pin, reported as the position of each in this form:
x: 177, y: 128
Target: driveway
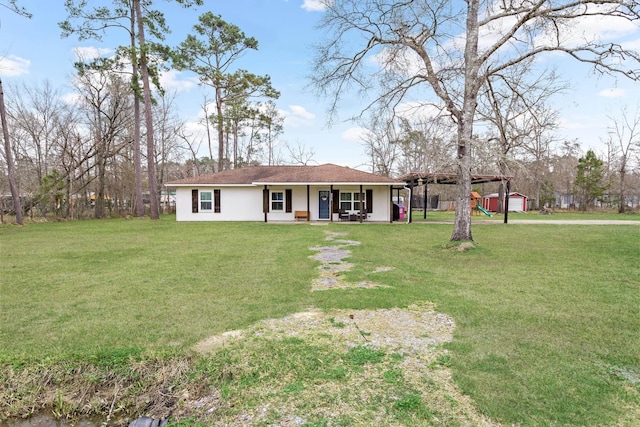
x: 575, y: 221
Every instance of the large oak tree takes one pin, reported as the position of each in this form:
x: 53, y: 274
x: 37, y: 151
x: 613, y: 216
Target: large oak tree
x: 451, y: 49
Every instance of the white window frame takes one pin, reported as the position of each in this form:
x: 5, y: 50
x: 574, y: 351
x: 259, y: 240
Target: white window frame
x: 350, y: 200
x: 202, y: 201
x: 277, y: 201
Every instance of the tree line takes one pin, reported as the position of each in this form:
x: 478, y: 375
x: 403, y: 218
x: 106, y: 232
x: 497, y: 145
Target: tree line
x: 449, y: 86
x: 552, y: 172
x: 80, y: 157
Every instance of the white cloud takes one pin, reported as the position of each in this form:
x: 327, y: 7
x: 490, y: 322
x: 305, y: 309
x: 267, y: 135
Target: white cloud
x: 419, y: 111
x: 87, y: 53
x: 589, y: 29
x: 612, y: 93
x: 575, y: 122
x: 298, y: 116
x: 632, y: 44
x: 13, y: 66
x: 314, y: 5
x: 71, y: 98
x: 354, y: 134
x: 170, y: 81
x: 302, y: 112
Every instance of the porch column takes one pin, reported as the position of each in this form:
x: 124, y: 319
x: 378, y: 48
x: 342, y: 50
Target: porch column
x: 265, y: 202
x: 308, y: 211
x: 426, y: 199
x: 391, y: 204
x: 409, y: 204
x: 361, y: 203
x: 331, y: 203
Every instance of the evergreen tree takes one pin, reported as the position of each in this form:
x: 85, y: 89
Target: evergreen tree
x: 212, y: 53
x: 590, y: 183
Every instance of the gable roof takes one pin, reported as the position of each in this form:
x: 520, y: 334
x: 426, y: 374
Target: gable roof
x: 512, y: 194
x: 254, y: 175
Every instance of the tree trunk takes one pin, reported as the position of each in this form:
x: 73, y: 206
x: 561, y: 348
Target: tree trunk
x: 148, y: 114
x: 623, y: 173
x: 220, y: 122
x: 207, y: 121
x: 235, y: 144
x: 462, y: 223
x: 500, y: 208
x: 100, y: 172
x: 15, y: 194
x: 137, y: 158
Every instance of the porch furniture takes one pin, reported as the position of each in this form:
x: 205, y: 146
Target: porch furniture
x: 301, y: 215
x: 343, y: 215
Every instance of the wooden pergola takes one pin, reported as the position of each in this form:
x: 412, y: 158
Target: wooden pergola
x: 418, y: 179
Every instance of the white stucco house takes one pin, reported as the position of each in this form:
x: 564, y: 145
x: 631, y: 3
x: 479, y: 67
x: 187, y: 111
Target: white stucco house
x: 286, y: 193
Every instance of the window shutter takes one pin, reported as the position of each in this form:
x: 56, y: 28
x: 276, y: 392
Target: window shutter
x: 265, y: 200
x: 216, y: 201
x: 287, y: 199
x: 336, y: 201
x: 369, y: 205
x: 194, y: 201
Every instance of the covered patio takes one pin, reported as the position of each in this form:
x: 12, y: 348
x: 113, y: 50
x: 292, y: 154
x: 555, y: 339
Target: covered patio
x: 419, y: 179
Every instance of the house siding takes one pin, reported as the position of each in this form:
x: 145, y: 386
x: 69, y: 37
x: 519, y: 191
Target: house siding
x: 244, y: 203
x: 236, y: 204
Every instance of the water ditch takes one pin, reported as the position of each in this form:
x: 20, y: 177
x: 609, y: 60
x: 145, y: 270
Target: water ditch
x: 48, y: 420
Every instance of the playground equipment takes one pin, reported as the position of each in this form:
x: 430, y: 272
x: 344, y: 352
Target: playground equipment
x: 483, y: 210
x: 476, y: 204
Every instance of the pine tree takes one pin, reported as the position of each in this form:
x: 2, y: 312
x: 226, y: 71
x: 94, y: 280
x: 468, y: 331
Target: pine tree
x: 590, y: 183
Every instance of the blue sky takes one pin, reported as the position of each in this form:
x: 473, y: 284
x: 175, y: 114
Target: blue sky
x: 32, y: 51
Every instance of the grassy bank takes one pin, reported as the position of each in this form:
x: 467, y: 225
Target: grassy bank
x: 546, y: 315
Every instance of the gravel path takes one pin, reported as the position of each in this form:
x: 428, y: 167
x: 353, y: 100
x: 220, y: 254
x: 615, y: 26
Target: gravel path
x: 414, y: 334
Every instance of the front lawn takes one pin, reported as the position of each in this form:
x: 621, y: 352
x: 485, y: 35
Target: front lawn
x: 546, y: 317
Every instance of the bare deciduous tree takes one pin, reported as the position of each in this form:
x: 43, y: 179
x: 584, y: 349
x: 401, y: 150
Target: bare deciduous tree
x: 11, y: 173
x: 92, y: 24
x: 516, y: 105
x: 453, y: 49
x: 624, y: 135
x: 107, y: 99
x: 300, y: 154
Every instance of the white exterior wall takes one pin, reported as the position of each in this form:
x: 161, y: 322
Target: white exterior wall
x: 244, y: 203
x: 236, y: 204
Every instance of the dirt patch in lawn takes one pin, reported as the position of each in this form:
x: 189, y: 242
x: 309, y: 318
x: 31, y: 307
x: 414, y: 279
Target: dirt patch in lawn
x: 333, y: 264
x: 389, y: 367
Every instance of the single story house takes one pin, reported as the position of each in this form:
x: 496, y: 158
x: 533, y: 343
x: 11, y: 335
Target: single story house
x: 286, y: 193
x: 517, y: 202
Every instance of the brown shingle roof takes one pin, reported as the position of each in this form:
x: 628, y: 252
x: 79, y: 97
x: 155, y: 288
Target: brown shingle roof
x: 326, y: 174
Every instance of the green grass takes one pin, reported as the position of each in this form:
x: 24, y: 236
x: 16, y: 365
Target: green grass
x: 559, y: 215
x: 81, y: 287
x: 547, y: 316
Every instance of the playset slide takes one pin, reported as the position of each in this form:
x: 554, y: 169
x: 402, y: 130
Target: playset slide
x: 483, y: 210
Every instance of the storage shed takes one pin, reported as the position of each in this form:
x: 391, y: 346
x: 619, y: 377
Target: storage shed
x: 517, y: 202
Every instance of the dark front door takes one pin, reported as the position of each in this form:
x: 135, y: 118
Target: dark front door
x: 323, y: 205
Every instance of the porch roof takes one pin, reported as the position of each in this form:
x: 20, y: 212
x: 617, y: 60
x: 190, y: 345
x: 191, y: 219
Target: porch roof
x: 414, y: 178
